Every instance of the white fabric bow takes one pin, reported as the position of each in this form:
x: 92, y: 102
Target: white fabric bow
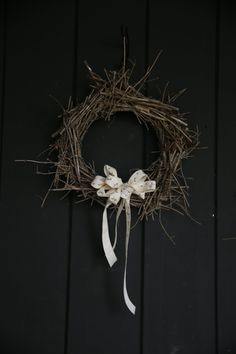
x: 116, y: 191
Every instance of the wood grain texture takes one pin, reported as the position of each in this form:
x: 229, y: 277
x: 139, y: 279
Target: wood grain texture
x: 33, y: 240
x: 179, y: 310
x: 226, y: 173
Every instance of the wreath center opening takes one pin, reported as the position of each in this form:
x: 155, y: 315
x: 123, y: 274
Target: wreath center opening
x: 121, y: 142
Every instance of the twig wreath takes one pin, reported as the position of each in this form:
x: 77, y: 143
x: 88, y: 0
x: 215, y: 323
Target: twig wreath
x: 162, y: 186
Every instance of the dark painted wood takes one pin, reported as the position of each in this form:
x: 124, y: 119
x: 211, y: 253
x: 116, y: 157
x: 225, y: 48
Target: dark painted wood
x: 99, y: 319
x: 2, y: 69
x: 33, y: 254
x: 179, y: 308
x: 226, y: 179
x: 58, y: 294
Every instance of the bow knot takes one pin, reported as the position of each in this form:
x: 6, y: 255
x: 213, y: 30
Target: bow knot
x: 113, y: 188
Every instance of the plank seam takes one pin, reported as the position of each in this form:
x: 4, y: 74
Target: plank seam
x: 216, y: 109
x: 71, y: 198
x: 3, y: 84
x: 143, y: 241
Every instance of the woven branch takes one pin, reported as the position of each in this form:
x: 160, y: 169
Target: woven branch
x: 109, y: 95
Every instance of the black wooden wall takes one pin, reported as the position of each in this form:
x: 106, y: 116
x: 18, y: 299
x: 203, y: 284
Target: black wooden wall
x: 57, y: 293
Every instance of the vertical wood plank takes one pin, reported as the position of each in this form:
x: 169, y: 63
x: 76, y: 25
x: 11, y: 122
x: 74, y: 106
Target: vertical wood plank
x: 99, y: 320
x: 226, y: 179
x: 2, y: 71
x: 179, y: 308
x: 39, y: 62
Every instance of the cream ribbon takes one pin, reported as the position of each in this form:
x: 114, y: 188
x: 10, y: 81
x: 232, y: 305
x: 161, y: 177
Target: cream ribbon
x: 112, y: 188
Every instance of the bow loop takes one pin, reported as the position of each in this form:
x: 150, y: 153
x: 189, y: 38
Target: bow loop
x: 98, y: 182
x: 104, y: 191
x: 108, y: 170
x: 144, y: 187
x: 137, y: 176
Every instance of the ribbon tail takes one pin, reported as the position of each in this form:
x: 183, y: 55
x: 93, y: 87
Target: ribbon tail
x: 117, y: 219
x: 106, y: 242
x: 128, y: 302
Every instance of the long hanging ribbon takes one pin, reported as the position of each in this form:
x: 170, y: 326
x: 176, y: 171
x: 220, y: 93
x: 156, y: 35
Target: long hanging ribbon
x: 117, y: 219
x: 106, y: 242
x: 128, y: 302
x: 116, y: 191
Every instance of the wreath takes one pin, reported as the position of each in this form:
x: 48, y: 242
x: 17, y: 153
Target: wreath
x: 161, y: 186
x: 115, y: 94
